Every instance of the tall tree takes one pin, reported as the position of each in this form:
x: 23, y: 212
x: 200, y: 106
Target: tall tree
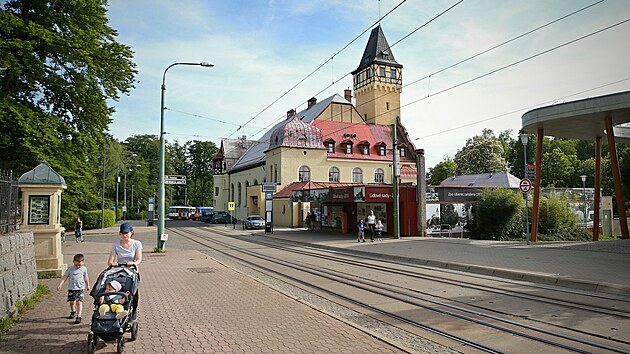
x: 62, y: 65
x: 481, y: 154
x: 441, y: 171
x: 200, y: 155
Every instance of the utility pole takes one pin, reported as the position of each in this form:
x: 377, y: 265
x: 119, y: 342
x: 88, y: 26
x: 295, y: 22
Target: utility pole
x: 103, y: 197
x: 117, y: 182
x: 395, y: 175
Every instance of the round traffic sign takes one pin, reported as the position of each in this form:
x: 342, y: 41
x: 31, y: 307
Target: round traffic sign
x: 525, y: 185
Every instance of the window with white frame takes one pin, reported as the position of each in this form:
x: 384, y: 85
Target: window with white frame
x: 403, y: 151
x: 365, y: 149
x: 348, y: 148
x: 381, y: 150
x: 357, y: 175
x: 304, y: 174
x: 379, y: 175
x: 333, y: 174
x: 331, y: 146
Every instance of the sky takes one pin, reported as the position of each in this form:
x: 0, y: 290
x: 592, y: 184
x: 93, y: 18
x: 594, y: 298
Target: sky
x: 266, y: 56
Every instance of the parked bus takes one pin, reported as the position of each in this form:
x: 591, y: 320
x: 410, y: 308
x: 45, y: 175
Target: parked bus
x: 181, y: 212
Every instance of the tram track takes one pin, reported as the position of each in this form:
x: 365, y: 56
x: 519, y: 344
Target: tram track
x: 407, y: 296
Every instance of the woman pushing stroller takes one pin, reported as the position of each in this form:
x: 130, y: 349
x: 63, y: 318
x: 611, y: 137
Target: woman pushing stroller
x: 126, y: 251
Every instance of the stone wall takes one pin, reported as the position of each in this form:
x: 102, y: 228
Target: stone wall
x: 17, y: 270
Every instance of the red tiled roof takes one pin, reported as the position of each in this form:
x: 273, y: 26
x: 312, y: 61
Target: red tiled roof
x: 357, y: 133
x: 303, y: 186
x: 408, y: 172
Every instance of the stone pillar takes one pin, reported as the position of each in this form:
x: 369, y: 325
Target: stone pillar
x: 421, y: 193
x: 41, y: 190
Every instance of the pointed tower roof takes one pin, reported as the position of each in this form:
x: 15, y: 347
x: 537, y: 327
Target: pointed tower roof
x: 377, y: 51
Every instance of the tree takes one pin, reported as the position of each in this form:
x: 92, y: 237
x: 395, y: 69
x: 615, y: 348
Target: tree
x: 481, y: 154
x: 441, y: 171
x: 200, y: 155
x: 62, y: 66
x: 557, y: 169
x: 498, y: 215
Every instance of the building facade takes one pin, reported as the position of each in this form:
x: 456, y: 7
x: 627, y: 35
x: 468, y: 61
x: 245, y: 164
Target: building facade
x: 332, y: 143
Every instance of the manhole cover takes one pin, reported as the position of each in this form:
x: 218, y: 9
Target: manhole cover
x: 202, y: 270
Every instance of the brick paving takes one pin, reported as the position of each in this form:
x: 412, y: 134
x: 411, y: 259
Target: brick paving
x: 190, y: 303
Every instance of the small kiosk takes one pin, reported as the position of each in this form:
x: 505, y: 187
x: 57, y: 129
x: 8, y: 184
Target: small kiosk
x: 41, y: 190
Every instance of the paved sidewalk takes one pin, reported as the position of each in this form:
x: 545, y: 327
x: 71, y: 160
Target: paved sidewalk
x: 189, y: 303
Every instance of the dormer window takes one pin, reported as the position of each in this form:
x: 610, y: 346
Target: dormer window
x: 348, y: 147
x: 381, y: 150
x: 365, y: 147
x: 403, y: 151
x: 330, y: 144
x: 385, y: 56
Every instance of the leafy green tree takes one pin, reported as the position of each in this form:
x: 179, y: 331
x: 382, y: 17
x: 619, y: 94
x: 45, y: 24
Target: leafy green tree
x: 557, y: 169
x: 200, y: 155
x: 498, y: 215
x: 62, y: 66
x: 481, y: 154
x: 441, y: 171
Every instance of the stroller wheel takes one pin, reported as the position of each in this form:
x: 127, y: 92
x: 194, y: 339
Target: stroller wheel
x: 92, y: 340
x: 120, y: 347
x: 134, y: 331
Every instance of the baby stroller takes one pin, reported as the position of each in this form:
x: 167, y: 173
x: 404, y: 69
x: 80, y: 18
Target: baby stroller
x: 107, y: 327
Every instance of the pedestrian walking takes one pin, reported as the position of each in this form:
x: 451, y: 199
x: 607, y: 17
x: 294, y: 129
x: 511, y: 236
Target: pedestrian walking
x: 78, y: 229
x: 313, y: 220
x: 379, y: 229
x: 126, y: 251
x: 307, y: 220
x: 78, y: 281
x: 371, y: 221
x: 361, y: 226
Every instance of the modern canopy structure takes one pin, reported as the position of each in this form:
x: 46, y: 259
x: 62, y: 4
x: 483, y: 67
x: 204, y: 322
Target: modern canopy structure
x: 587, y: 119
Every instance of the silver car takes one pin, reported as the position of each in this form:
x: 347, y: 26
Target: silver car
x: 254, y: 222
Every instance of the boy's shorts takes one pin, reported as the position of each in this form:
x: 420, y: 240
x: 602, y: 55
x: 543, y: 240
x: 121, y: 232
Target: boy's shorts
x: 75, y: 295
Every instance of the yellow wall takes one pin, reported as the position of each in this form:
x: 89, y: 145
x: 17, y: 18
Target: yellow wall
x: 340, y: 113
x: 372, y: 98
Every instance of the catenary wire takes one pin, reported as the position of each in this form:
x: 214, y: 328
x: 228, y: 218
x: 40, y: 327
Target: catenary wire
x: 317, y: 69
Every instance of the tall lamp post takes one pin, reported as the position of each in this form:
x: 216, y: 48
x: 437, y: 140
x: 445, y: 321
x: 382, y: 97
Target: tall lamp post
x: 160, y: 231
x: 524, y: 140
x: 583, y: 177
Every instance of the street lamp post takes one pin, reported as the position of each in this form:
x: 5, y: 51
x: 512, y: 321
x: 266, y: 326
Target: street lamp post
x: 161, y: 193
x: 524, y: 140
x: 583, y: 177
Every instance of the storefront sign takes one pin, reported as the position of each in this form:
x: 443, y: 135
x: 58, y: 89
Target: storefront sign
x: 458, y: 195
x: 341, y: 195
x: 379, y: 195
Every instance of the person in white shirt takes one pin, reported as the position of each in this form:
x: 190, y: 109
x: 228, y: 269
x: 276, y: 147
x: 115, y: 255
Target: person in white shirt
x: 371, y: 221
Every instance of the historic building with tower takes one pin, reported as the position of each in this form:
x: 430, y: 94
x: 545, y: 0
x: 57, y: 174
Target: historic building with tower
x: 332, y: 159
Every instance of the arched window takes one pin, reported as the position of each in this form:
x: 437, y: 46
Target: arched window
x: 275, y: 173
x: 357, y: 175
x: 379, y: 176
x: 232, y: 192
x: 255, y: 182
x: 238, y: 201
x: 304, y: 174
x: 333, y: 174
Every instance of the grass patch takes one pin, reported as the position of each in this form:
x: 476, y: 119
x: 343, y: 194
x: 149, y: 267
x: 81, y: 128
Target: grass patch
x: 22, y: 306
x: 46, y: 274
x: 159, y: 250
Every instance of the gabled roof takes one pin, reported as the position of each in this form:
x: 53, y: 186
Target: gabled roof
x: 377, y: 46
x: 255, y: 156
x: 484, y: 180
x: 297, y: 133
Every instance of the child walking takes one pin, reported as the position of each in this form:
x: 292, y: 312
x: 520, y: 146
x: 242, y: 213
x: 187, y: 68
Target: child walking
x: 77, y: 277
x: 379, y: 229
x: 361, y: 226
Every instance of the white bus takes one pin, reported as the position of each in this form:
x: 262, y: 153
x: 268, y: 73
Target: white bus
x: 181, y: 212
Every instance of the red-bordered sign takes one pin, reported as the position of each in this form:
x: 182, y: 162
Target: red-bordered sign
x: 525, y: 185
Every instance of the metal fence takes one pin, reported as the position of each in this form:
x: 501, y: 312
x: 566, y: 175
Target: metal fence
x: 9, y: 194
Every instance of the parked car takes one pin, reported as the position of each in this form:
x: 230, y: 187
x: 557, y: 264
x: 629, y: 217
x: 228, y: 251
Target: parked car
x: 207, y: 217
x: 194, y: 216
x: 254, y: 222
x: 222, y: 217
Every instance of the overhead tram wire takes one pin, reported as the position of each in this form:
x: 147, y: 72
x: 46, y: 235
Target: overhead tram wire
x: 503, y: 68
x: 349, y: 73
x: 457, y: 63
x: 317, y: 69
x: 521, y: 109
x: 208, y: 118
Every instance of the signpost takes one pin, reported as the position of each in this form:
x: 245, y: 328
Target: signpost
x: 269, y: 189
x: 232, y: 207
x: 525, y: 186
x: 175, y: 179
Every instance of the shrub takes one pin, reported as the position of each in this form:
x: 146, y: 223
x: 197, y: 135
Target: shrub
x: 498, y: 215
x: 556, y: 221
x: 92, y: 219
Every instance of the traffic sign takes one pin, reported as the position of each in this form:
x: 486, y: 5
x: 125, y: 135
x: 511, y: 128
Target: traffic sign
x: 525, y: 185
x: 174, y: 179
x: 231, y: 206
